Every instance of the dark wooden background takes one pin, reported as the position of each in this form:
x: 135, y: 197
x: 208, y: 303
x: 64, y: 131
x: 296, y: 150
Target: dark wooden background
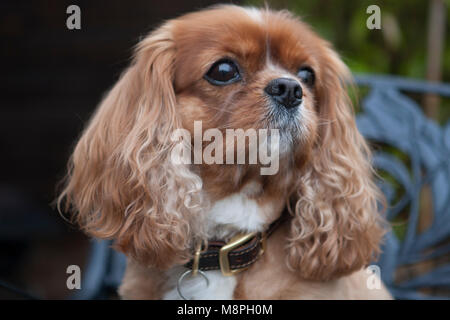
x: 51, y: 80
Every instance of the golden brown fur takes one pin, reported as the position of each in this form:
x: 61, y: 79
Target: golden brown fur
x: 270, y: 279
x: 122, y: 185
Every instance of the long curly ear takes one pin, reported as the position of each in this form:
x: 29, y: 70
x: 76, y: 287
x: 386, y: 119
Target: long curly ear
x: 336, y: 227
x: 121, y: 183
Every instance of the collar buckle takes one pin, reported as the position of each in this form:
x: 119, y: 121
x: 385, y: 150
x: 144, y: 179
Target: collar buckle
x: 234, y: 243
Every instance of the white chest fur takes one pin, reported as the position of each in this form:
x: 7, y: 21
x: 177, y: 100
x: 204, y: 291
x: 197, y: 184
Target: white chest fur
x: 236, y: 213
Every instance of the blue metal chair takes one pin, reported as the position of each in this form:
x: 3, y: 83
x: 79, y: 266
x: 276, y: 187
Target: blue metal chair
x: 389, y: 117
x: 103, y: 273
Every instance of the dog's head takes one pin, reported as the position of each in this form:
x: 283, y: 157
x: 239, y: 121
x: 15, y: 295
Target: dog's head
x: 230, y: 68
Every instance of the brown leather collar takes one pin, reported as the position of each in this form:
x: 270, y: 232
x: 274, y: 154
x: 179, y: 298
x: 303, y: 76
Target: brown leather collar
x: 235, y: 255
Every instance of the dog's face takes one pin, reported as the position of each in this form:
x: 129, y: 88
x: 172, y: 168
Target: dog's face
x: 230, y: 68
x: 245, y: 68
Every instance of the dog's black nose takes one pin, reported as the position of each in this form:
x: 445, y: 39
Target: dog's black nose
x: 285, y: 91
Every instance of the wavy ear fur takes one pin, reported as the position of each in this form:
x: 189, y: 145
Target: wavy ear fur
x: 121, y: 183
x: 336, y: 227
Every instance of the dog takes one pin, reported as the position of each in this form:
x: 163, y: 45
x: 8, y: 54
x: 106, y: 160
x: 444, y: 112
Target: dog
x: 197, y: 230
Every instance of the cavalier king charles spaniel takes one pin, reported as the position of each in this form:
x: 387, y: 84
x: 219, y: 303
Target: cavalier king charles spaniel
x: 219, y: 230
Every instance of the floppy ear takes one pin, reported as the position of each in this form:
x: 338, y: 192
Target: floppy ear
x: 336, y: 227
x: 121, y: 183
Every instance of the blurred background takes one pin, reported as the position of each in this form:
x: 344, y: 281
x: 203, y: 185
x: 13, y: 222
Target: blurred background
x: 53, y: 78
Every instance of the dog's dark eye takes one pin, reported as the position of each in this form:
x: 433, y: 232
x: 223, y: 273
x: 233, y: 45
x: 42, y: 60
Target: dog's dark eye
x: 306, y: 74
x: 223, y: 72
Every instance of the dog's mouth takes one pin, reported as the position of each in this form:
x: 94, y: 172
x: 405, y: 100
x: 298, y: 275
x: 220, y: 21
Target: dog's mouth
x: 287, y: 120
